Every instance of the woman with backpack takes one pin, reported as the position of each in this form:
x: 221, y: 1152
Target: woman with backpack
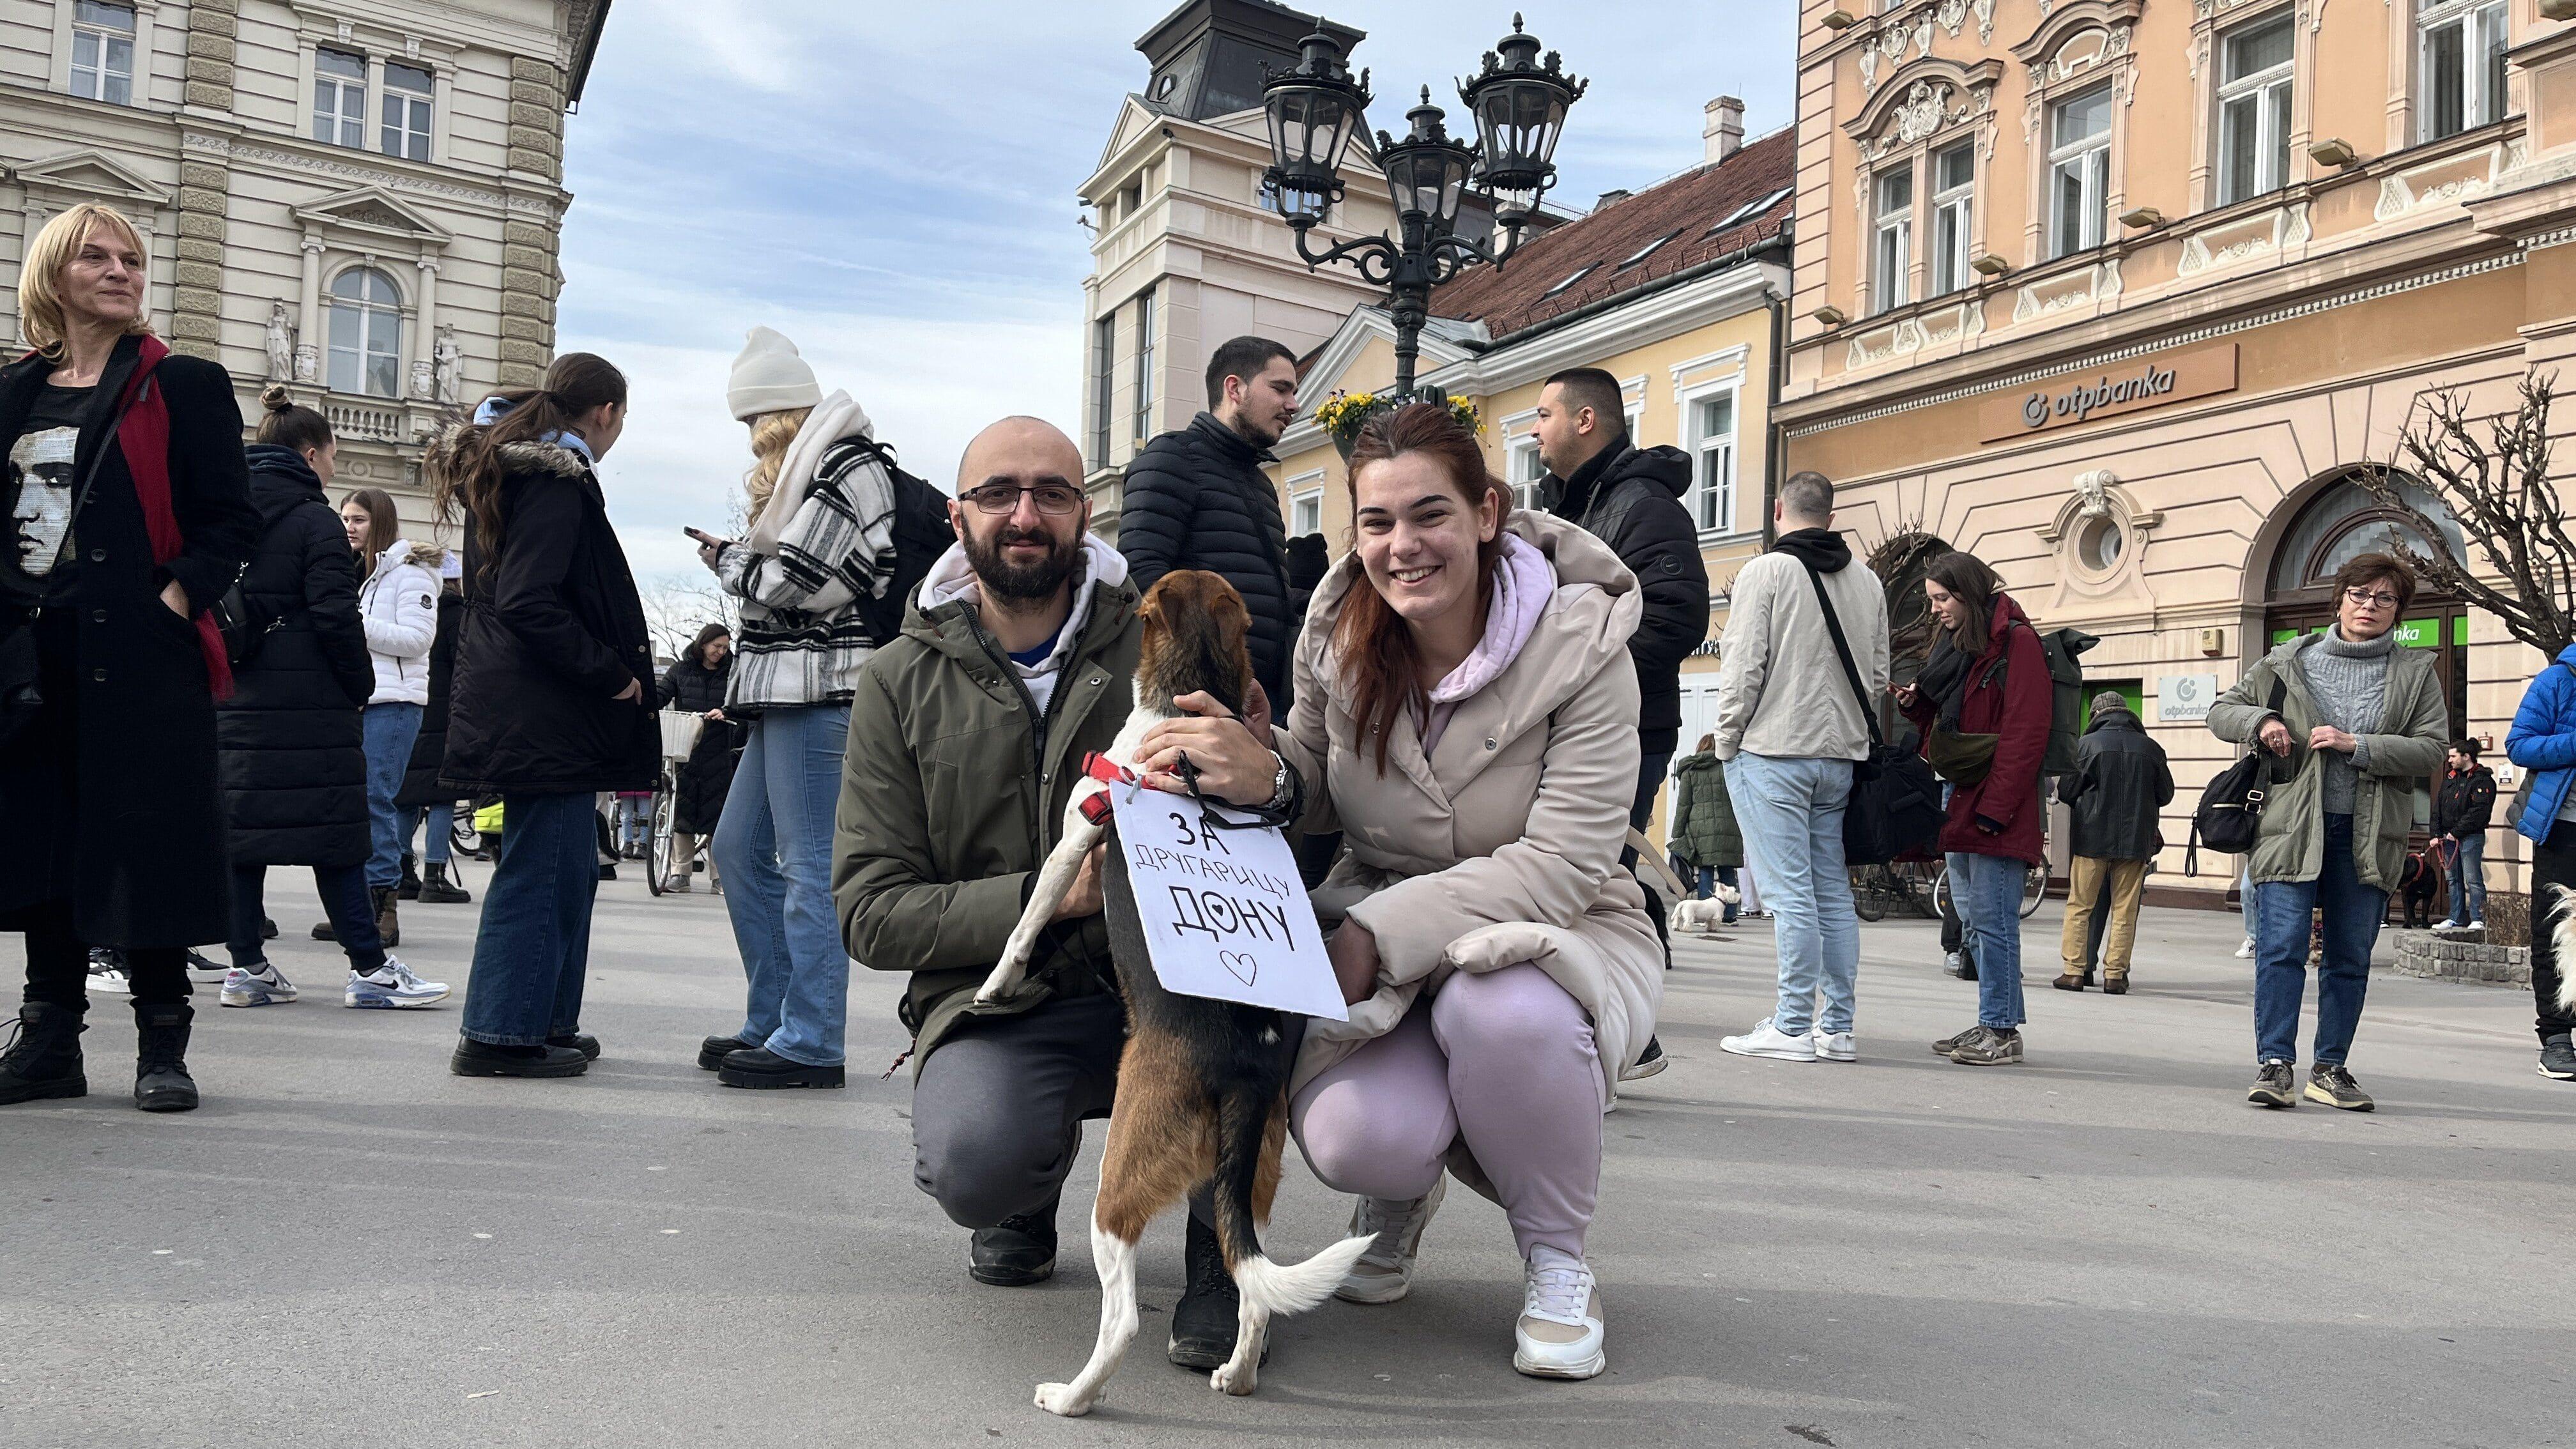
x: 552, y: 700
x: 822, y: 550
x: 398, y: 604
x: 2352, y: 724
x: 292, y: 737
x: 129, y: 517
x: 1984, y: 704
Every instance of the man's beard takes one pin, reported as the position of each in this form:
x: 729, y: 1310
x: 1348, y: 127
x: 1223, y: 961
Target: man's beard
x: 1258, y: 436
x: 1007, y: 582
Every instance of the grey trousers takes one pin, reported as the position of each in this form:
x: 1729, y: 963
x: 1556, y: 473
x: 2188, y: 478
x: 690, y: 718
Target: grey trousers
x: 998, y: 1109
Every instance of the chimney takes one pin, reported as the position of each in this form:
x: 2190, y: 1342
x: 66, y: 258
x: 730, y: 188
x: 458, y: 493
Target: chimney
x: 1609, y: 197
x: 1724, y: 133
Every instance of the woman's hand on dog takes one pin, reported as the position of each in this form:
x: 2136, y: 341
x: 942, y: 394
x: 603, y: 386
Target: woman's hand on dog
x: 1354, y: 956
x: 1082, y: 898
x: 1232, y: 762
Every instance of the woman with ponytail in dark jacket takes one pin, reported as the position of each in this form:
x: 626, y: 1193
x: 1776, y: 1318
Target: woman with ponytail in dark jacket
x: 293, y: 762
x: 552, y: 700
x: 129, y: 517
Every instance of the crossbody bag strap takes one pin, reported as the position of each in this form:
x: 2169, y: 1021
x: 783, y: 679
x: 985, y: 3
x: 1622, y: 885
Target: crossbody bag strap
x: 1842, y: 651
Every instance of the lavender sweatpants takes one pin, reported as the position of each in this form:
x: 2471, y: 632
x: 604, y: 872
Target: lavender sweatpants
x: 1504, y: 1061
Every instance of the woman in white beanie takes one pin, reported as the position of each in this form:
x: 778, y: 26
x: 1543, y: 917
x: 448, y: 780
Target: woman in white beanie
x: 821, y: 544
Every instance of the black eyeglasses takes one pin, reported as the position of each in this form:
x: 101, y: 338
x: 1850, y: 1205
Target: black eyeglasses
x: 2371, y: 598
x: 1056, y: 499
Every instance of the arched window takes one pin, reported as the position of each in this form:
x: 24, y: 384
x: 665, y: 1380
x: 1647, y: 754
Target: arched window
x: 366, y: 334
x: 2343, y: 522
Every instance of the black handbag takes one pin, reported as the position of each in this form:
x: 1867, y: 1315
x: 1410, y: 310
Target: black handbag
x: 1895, y: 804
x: 2230, y: 814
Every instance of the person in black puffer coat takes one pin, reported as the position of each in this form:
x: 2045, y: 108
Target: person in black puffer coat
x: 552, y: 702
x: 291, y: 752
x: 695, y: 684
x: 1197, y: 499
x: 424, y: 807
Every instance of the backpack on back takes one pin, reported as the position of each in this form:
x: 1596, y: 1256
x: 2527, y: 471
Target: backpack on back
x: 2064, y: 647
x: 921, y: 534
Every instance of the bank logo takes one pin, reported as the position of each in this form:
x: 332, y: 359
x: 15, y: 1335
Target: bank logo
x: 2086, y: 398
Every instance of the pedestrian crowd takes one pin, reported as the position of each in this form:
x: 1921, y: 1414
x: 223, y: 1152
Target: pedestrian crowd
x: 207, y: 671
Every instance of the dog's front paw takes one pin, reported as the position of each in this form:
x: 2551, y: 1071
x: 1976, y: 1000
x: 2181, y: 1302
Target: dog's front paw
x: 1060, y: 1400
x: 1227, y: 1380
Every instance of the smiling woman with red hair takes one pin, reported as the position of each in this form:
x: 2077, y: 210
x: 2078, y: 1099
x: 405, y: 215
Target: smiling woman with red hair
x: 1466, y: 702
x: 129, y: 516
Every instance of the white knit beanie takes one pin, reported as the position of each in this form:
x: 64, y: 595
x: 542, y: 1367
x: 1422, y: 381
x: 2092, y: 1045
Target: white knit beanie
x: 769, y: 377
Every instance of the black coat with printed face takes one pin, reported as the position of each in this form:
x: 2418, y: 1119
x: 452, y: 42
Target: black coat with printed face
x: 110, y: 792
x: 294, y: 763
x: 553, y: 633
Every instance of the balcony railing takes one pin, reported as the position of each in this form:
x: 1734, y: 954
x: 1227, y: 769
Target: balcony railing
x: 359, y: 420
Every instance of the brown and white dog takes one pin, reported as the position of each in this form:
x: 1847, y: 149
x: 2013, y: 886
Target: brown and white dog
x: 1202, y: 1084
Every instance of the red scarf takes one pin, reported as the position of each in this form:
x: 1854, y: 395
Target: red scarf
x: 144, y: 437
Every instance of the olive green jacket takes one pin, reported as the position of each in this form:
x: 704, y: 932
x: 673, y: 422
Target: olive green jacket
x: 1703, y: 831
x: 2395, y: 760
x: 954, y: 789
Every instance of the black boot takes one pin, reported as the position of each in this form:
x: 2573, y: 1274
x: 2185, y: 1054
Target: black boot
x: 388, y: 924
x: 161, y: 1080
x: 482, y: 1059
x: 1204, y: 1322
x: 713, y: 1050
x: 408, y: 888
x: 45, y: 1060
x: 1015, y: 1252
x: 760, y: 1068
x: 437, y: 890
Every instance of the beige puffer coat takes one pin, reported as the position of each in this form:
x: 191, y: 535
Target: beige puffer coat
x: 1503, y: 846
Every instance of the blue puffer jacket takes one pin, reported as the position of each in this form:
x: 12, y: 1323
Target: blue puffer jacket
x: 2543, y: 740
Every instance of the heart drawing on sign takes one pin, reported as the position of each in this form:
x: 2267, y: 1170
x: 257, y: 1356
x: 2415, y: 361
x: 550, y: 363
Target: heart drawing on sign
x: 1239, y: 964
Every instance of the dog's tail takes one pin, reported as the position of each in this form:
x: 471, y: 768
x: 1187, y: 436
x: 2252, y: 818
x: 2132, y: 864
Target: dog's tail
x: 1242, y: 1122
x: 2562, y: 941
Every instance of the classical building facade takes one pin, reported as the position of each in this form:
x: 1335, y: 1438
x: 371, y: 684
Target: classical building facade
x: 358, y: 198
x: 1675, y: 290
x: 2118, y: 295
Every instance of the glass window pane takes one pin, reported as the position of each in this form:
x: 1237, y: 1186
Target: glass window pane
x: 2491, y: 36
x: 118, y: 89
x: 1958, y: 167
x: 2257, y: 49
x: 111, y: 17
x: 344, y: 328
x: 340, y: 63
x: 406, y: 78
x: 1717, y: 416
x: 2236, y: 143
x: 120, y: 55
x: 85, y: 49
x: 2083, y: 117
x: 2445, y: 112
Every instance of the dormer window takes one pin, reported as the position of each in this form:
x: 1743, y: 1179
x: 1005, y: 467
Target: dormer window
x: 1648, y: 250
x: 1579, y: 275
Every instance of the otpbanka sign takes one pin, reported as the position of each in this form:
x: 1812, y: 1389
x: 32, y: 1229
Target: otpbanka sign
x: 2131, y: 386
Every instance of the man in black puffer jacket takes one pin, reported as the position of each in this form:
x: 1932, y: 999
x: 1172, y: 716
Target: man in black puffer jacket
x: 1197, y: 499
x: 1630, y: 498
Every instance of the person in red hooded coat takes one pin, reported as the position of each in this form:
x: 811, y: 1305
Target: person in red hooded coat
x: 1983, y: 704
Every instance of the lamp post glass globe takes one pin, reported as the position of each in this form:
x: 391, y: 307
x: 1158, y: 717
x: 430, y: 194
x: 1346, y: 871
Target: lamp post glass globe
x: 1519, y: 103
x: 1314, y: 108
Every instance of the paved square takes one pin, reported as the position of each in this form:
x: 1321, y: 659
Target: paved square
x: 2107, y: 1246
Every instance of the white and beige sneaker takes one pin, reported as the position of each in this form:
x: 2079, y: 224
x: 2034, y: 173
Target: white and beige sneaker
x: 1384, y: 1273
x: 1559, y: 1335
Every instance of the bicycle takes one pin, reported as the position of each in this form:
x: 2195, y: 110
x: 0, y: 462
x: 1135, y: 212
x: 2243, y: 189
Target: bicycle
x: 1876, y: 889
x: 2034, y: 889
x: 679, y: 738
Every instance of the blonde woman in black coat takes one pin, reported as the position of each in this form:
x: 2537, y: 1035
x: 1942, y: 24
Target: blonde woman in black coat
x: 130, y: 516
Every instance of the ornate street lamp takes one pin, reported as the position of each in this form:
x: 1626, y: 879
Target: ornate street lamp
x: 1519, y: 102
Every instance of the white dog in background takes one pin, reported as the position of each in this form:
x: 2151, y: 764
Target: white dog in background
x: 1704, y: 916
x: 2562, y: 938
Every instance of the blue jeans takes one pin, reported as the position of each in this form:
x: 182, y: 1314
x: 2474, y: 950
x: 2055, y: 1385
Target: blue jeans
x: 1987, y: 890
x: 774, y: 849
x: 532, y: 945
x: 1791, y: 814
x: 441, y: 821
x: 2467, y: 875
x: 390, y: 730
x: 2353, y: 912
x: 634, y: 819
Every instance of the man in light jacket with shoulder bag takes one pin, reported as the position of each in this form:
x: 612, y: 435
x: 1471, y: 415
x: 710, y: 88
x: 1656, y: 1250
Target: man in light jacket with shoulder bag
x: 1791, y: 723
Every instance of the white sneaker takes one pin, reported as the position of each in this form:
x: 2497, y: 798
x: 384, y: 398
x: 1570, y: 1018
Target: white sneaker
x: 2246, y: 951
x: 2475, y: 926
x: 1559, y: 1335
x: 1766, y: 1040
x: 392, y: 985
x: 1834, y: 1046
x: 265, y: 987
x: 1384, y: 1273
x: 107, y: 972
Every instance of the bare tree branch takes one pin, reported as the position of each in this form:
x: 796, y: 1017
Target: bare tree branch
x: 2491, y: 477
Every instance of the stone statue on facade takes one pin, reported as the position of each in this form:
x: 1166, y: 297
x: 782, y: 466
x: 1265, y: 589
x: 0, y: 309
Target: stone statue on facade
x: 281, y: 342
x: 448, y: 361
x: 2093, y: 494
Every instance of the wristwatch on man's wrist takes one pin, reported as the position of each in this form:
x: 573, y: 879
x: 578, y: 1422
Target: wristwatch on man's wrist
x: 1278, y: 783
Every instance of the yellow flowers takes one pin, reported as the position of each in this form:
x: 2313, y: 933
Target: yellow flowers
x: 1344, y: 413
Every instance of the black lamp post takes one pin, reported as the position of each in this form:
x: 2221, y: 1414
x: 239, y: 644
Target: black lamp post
x: 1315, y: 107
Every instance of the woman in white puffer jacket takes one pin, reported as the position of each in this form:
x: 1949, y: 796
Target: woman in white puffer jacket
x: 399, y: 605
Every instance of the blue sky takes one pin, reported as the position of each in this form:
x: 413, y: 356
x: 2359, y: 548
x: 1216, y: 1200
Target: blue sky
x: 893, y: 188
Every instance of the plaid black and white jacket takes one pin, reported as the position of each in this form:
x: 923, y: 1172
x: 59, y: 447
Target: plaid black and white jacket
x: 802, y: 640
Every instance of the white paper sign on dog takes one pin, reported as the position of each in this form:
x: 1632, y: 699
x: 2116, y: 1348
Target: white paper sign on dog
x: 1225, y: 913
